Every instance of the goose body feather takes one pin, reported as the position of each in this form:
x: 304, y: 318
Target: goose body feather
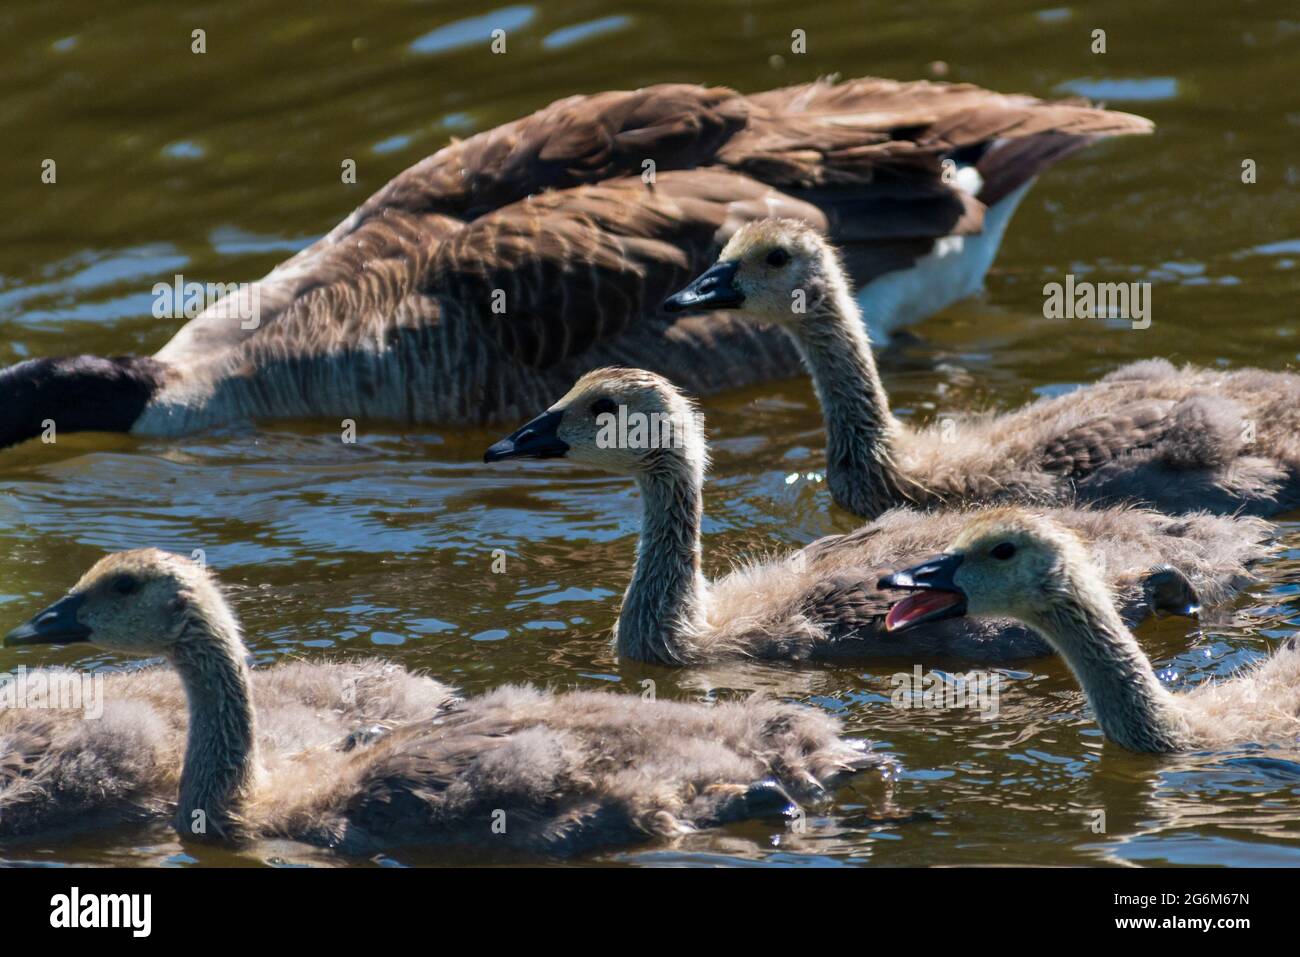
x: 277, y: 753
x: 1016, y: 563
x: 823, y: 601
x: 494, y: 272
x: 1177, y: 439
x: 64, y: 769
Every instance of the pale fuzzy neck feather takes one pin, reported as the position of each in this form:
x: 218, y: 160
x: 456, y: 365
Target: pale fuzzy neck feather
x: 221, y: 763
x: 665, y: 601
x: 860, y: 429
x: 1133, y: 709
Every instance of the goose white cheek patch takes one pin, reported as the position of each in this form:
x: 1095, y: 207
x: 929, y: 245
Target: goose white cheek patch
x: 919, y: 605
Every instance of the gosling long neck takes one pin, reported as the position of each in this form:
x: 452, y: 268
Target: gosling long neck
x: 860, y: 429
x: 1131, y: 706
x: 664, y: 603
x: 221, y: 752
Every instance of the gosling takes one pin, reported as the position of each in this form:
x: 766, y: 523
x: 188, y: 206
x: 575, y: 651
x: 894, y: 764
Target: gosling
x: 1035, y: 570
x: 85, y: 751
x: 822, y: 601
x: 517, y: 768
x: 1176, y: 439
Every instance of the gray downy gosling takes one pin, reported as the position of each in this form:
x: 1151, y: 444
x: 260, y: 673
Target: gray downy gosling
x: 822, y: 601
x: 1010, y: 563
x: 516, y: 769
x: 1177, y: 439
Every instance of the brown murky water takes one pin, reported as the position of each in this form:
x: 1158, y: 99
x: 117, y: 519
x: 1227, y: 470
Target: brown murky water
x: 219, y: 165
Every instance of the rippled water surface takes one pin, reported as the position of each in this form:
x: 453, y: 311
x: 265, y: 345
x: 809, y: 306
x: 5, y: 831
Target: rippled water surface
x: 220, y: 165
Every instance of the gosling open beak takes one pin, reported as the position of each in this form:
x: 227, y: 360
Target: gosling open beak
x: 935, y: 594
x: 536, y: 440
x: 712, y: 289
x: 56, y: 625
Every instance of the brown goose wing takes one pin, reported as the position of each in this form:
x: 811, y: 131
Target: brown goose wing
x: 1092, y: 444
x: 823, y: 133
x: 366, y: 266
x: 550, y: 276
x: 849, y: 604
x: 571, y: 142
x: 406, y: 777
x: 815, y: 134
x: 863, y: 159
x: 23, y: 748
x: 870, y: 152
x: 336, y: 292
x: 447, y: 781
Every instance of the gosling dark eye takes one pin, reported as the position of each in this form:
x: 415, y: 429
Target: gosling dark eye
x: 778, y: 257
x: 125, y: 585
x: 603, y: 407
x: 1004, y: 551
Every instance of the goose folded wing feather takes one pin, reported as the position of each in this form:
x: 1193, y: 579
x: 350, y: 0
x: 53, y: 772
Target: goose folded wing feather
x: 552, y: 276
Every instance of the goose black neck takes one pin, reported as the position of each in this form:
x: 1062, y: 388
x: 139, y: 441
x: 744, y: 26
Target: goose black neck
x: 74, y: 394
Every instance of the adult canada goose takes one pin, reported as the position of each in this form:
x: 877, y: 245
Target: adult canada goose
x: 517, y: 768
x: 822, y: 601
x: 449, y: 296
x: 1014, y: 563
x: 1177, y: 439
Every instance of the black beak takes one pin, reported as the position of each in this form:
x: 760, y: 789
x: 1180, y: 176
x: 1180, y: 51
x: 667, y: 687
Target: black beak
x: 933, y: 574
x: 536, y: 440
x: 56, y: 625
x: 1169, y: 592
x: 939, y: 595
x: 713, y: 289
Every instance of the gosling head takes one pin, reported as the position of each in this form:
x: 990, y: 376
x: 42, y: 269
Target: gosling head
x: 1007, y: 563
x: 776, y: 270
x: 626, y: 421
x: 135, y: 602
